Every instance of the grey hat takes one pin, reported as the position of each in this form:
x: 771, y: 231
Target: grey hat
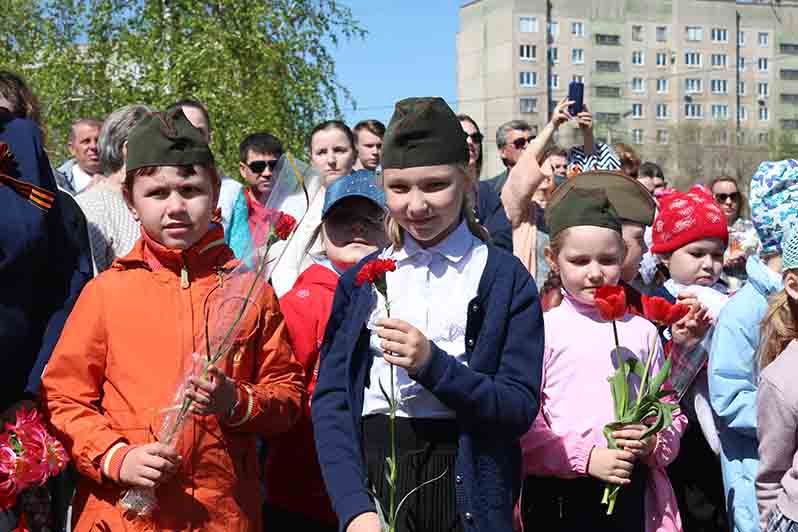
x: 362, y: 183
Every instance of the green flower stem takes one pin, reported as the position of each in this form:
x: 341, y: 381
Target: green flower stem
x: 611, y: 492
x: 644, y: 381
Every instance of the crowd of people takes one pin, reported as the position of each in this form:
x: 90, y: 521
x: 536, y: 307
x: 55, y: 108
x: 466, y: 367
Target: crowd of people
x: 486, y: 321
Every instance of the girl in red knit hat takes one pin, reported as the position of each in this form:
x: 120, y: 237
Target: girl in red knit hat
x: 690, y: 236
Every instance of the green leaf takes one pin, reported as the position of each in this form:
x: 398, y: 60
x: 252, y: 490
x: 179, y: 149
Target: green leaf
x: 662, y: 375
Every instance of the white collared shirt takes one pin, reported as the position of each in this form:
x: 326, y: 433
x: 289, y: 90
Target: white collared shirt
x: 430, y: 289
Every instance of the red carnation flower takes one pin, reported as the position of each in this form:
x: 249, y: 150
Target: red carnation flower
x: 285, y: 226
x: 374, y: 270
x: 611, y: 302
x: 662, y: 312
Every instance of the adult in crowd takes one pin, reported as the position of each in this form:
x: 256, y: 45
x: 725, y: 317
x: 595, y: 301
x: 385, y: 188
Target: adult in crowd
x: 83, y: 169
x: 113, y: 230
x: 743, y: 240
x: 511, y: 139
x: 332, y: 154
x: 368, y: 142
x: 44, y: 264
x: 488, y: 208
x: 198, y: 115
x: 733, y: 372
x: 630, y: 161
x: 555, y: 168
x: 258, y: 154
x: 20, y: 100
x: 650, y: 176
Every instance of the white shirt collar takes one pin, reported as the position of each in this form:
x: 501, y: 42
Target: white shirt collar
x: 453, y: 248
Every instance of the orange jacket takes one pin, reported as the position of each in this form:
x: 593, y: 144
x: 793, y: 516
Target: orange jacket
x: 123, y: 353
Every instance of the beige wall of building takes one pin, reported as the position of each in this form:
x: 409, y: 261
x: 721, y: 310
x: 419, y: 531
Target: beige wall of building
x: 655, y: 71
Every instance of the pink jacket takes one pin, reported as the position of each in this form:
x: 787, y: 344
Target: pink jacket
x: 576, y: 403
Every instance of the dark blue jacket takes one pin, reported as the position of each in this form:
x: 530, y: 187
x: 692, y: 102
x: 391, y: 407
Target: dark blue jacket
x: 490, y: 213
x: 495, y: 397
x: 42, y: 269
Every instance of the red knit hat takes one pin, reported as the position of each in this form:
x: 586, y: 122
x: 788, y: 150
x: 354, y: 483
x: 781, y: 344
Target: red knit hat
x: 685, y: 217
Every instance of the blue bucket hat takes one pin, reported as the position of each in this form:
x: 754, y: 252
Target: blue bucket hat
x: 774, y: 202
x: 362, y: 183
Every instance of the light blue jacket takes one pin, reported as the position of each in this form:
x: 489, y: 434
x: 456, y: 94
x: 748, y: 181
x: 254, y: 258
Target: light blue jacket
x: 732, y: 390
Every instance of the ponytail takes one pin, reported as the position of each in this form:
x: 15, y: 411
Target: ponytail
x: 778, y: 328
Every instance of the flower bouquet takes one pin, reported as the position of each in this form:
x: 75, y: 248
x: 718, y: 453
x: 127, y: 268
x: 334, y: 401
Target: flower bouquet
x: 649, y: 407
x: 29, y: 456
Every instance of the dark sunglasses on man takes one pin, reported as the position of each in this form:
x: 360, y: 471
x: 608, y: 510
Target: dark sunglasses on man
x: 257, y: 167
x: 721, y: 197
x: 521, y: 142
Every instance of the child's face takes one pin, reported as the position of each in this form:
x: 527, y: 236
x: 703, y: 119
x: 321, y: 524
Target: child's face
x: 174, y: 210
x: 353, y: 229
x: 699, y: 262
x: 426, y: 201
x: 635, y: 242
x: 590, y: 258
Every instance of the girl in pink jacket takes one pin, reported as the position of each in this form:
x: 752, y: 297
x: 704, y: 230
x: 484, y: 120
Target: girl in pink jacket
x: 566, y: 459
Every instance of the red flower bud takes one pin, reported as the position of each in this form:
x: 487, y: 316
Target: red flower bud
x: 611, y: 302
x: 662, y: 312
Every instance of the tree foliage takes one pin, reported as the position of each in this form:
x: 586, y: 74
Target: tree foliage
x: 256, y: 64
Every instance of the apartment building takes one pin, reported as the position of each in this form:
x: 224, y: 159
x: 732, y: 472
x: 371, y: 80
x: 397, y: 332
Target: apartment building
x: 651, y: 69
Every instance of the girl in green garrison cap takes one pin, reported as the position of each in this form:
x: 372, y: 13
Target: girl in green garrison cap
x: 128, y: 345
x: 462, y: 343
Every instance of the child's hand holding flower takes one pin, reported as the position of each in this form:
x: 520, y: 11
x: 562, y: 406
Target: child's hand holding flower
x: 630, y: 438
x: 404, y: 345
x: 214, y: 395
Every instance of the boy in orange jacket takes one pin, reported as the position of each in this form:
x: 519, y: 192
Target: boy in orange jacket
x: 126, y: 346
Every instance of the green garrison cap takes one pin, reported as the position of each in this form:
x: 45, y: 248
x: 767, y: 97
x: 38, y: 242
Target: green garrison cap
x: 166, y: 140
x: 631, y: 199
x: 582, y: 207
x: 423, y: 132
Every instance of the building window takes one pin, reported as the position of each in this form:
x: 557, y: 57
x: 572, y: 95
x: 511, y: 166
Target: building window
x: 608, y: 118
x: 763, y: 39
x: 528, y: 24
x: 788, y: 49
x: 637, y: 136
x: 528, y: 52
x: 693, y: 110
x: 762, y: 63
x: 719, y: 111
x: 741, y: 38
x: 695, y: 33
x: 638, y: 85
x: 741, y: 64
x: 789, y: 123
x: 662, y: 33
x: 579, y: 78
x: 608, y: 66
x: 693, y: 85
x: 554, y: 29
x: 789, y: 74
x: 789, y: 98
x: 763, y: 137
x: 529, y: 105
x: 578, y: 29
x: 662, y: 136
x: 762, y: 89
x: 528, y: 79
x: 692, y: 59
x: 637, y: 33
x: 720, y: 35
x: 554, y: 81
x: 719, y: 86
x: 741, y: 88
x: 742, y: 113
x: 662, y: 86
x: 723, y: 136
x: 764, y: 115
x: 608, y: 92
x: 638, y: 58
x: 554, y: 56
x: 662, y: 111
x: 578, y: 56
x: 637, y: 110
x: 608, y: 40
x: 662, y: 59
x: 719, y: 60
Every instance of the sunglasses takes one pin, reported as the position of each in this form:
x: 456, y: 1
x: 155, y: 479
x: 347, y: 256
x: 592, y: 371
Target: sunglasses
x: 476, y: 138
x: 520, y: 143
x: 257, y: 167
x: 721, y: 197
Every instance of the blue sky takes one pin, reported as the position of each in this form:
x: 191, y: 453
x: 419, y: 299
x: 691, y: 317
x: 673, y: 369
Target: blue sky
x: 409, y: 51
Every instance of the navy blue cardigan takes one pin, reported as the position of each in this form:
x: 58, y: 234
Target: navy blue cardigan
x: 495, y: 397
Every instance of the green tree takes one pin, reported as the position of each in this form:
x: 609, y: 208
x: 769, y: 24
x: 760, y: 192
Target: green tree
x: 256, y: 64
